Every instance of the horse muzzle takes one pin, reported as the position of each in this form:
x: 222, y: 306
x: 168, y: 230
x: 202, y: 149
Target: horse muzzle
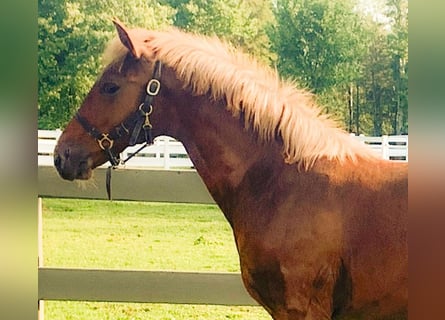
x: 71, y: 163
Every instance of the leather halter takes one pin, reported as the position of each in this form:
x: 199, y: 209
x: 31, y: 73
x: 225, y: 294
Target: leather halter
x: 138, y: 120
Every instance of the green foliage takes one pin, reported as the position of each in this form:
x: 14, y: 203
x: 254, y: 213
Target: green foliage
x: 397, y: 10
x: 242, y: 23
x: 317, y: 42
x: 356, y: 65
x: 381, y: 102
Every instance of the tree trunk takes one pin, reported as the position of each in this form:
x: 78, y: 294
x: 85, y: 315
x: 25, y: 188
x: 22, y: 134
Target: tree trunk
x: 357, y: 109
x: 397, y: 93
x: 351, y: 108
x: 377, y: 114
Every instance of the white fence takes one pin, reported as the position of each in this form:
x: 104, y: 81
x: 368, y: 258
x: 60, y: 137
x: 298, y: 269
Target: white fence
x: 390, y: 147
x: 169, y: 153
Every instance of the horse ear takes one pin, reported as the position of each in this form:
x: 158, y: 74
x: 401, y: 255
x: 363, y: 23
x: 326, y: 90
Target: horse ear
x: 135, y: 40
x: 123, y: 35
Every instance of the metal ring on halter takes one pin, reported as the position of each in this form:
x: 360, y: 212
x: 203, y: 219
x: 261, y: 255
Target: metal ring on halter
x: 106, y: 139
x: 149, y: 110
x: 156, y: 89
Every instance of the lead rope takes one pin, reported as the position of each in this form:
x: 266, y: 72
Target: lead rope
x: 115, y: 166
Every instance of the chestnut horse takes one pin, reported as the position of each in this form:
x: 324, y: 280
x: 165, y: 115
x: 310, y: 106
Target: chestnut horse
x: 320, y: 221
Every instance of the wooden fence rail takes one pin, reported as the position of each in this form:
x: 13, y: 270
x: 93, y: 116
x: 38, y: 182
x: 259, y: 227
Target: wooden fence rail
x: 142, y: 286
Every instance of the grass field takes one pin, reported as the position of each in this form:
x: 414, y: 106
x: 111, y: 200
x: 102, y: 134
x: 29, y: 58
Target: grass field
x: 139, y: 235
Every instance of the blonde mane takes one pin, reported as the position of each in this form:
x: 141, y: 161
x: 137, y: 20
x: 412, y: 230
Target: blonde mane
x: 270, y: 106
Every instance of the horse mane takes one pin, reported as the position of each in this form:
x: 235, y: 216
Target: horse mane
x: 271, y: 106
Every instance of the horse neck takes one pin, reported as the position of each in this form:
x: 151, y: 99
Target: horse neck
x: 221, y: 148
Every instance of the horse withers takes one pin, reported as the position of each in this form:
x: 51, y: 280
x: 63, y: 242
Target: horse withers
x: 319, y: 220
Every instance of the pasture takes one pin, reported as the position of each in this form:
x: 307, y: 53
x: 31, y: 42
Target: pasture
x: 139, y: 235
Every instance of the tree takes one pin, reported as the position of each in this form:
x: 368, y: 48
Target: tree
x: 318, y: 43
x: 355, y: 60
x: 383, y: 105
x: 242, y: 23
x: 397, y: 11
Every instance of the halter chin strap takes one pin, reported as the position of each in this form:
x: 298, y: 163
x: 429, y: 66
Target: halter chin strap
x: 139, y: 120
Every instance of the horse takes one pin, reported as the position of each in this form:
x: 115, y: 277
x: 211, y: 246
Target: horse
x: 318, y: 218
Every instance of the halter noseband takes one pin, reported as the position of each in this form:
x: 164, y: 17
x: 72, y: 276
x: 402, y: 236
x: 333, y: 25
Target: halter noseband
x: 139, y: 120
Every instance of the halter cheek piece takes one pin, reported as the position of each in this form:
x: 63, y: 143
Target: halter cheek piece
x: 139, y: 120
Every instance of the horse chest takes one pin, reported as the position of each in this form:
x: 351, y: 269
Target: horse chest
x: 287, y: 259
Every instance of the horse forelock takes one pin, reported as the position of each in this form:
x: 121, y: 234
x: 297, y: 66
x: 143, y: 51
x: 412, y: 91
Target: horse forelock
x: 114, y: 52
x: 270, y: 105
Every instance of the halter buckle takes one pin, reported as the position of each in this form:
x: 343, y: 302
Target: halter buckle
x: 157, y: 87
x: 105, y: 138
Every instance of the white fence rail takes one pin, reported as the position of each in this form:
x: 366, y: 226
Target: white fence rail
x: 169, y: 153
x: 165, y: 152
x: 390, y: 147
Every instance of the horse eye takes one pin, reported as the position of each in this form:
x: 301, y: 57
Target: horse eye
x: 109, y: 88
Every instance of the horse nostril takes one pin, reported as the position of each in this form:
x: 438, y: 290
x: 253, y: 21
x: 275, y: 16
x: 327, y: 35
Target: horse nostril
x: 67, y: 153
x: 57, y: 161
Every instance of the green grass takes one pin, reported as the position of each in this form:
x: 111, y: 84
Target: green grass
x: 139, y: 235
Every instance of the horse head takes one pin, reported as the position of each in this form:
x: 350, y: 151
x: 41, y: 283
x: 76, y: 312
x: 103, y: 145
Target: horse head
x: 119, y: 110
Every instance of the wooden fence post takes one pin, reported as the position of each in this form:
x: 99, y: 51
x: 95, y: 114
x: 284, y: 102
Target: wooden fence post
x: 41, y: 303
x: 165, y: 141
x: 385, y: 147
